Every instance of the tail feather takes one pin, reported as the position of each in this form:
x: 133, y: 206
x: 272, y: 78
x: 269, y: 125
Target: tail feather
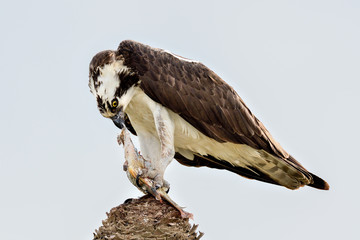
x: 254, y: 173
x: 319, y: 183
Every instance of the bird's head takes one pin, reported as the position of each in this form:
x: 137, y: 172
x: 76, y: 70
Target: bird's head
x: 112, y: 84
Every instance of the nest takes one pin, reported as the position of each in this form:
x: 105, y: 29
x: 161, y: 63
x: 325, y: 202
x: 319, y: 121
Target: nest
x: 146, y: 218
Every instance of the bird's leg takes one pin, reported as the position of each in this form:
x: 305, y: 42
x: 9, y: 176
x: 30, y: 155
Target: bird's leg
x: 137, y: 173
x: 159, y: 150
x: 165, y: 130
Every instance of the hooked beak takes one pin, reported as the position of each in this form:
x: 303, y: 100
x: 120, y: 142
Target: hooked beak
x: 118, y: 119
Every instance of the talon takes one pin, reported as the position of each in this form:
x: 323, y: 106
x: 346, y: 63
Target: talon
x: 166, y: 186
x: 155, y: 193
x: 138, y: 180
x: 129, y: 200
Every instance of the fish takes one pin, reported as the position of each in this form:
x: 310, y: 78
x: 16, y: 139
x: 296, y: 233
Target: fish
x: 136, y: 165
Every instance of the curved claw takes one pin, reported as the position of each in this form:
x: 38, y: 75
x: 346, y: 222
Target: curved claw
x: 144, y: 184
x: 138, y: 180
x: 153, y: 191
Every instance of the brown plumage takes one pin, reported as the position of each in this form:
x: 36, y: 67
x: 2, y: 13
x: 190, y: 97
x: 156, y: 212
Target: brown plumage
x: 208, y: 103
x: 199, y: 95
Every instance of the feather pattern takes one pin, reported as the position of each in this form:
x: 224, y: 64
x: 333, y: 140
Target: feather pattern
x: 208, y: 103
x: 199, y: 95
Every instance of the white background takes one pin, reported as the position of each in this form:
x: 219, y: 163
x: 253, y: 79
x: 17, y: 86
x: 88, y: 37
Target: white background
x: 295, y: 64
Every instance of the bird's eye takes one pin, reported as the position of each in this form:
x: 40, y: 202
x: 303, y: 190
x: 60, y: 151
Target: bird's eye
x: 114, y: 103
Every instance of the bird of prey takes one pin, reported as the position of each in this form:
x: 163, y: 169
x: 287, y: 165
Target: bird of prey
x: 181, y: 109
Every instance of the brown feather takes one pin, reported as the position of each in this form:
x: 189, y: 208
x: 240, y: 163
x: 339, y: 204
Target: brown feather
x: 204, y: 100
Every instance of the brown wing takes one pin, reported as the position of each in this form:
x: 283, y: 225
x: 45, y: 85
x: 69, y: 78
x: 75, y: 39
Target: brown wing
x: 204, y: 100
x: 199, y: 95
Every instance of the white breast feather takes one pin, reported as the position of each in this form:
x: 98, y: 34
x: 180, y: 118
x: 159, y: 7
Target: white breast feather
x: 188, y: 140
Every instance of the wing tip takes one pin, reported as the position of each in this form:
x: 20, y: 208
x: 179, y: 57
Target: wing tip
x: 319, y: 183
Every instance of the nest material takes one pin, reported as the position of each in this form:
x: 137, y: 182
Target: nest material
x: 146, y: 218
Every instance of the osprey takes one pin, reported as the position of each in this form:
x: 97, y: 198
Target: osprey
x: 181, y: 109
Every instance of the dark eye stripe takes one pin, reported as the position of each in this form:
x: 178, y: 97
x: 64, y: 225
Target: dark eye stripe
x: 101, y: 104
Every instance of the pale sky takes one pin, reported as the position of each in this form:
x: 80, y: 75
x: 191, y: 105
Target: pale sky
x: 294, y: 63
